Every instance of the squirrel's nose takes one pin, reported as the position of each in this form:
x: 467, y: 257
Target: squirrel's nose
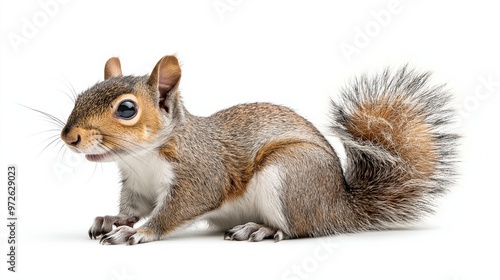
x: 71, y: 137
x: 74, y: 143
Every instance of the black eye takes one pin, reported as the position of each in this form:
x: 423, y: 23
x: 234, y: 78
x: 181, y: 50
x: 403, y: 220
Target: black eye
x: 127, y: 109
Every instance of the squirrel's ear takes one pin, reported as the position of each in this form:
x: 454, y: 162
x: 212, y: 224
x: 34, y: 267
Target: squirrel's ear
x: 165, y: 75
x: 112, y: 68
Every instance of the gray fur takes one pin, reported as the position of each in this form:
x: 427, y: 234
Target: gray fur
x: 213, y: 159
x: 373, y: 173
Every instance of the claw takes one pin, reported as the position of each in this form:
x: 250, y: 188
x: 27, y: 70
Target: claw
x: 279, y: 235
x: 228, y: 235
x: 107, y: 239
x: 253, y: 232
x: 104, y: 225
x: 130, y: 240
x: 119, y: 235
x: 102, y: 240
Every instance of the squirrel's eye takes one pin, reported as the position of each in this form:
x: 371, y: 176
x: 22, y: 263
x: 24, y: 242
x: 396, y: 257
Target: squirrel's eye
x: 127, y: 109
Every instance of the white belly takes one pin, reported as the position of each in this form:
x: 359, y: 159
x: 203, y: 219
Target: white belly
x: 261, y: 203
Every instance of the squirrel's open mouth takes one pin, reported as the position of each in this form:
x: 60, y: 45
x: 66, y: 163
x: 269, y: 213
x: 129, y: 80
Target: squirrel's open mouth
x: 99, y: 157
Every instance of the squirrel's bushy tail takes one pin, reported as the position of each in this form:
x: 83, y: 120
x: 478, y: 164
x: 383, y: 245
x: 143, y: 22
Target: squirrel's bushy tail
x: 400, y: 151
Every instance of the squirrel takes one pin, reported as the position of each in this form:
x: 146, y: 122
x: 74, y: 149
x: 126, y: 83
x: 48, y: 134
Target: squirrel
x: 260, y: 171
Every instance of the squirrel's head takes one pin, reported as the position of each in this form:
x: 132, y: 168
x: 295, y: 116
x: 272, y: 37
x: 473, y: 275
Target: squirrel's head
x: 124, y: 115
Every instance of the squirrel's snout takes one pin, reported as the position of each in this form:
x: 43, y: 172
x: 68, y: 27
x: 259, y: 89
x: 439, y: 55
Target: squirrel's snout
x: 71, y: 137
x: 75, y: 143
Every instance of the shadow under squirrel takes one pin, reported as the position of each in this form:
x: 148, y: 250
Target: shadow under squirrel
x: 259, y: 170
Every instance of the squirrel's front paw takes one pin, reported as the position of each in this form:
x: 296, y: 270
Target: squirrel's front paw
x: 128, y: 235
x: 118, y: 235
x: 103, y: 225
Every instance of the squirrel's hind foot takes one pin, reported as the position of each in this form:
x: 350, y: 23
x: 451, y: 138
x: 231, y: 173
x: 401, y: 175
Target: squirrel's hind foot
x: 254, y: 232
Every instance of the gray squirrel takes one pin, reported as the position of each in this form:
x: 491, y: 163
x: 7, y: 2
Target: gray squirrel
x: 259, y: 170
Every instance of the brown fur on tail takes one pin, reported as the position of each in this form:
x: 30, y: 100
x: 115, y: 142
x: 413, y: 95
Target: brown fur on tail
x: 400, y: 150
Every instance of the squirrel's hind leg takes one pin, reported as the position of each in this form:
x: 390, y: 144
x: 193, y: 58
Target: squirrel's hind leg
x: 308, y: 188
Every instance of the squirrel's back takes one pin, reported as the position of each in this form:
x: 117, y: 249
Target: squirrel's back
x: 246, y: 124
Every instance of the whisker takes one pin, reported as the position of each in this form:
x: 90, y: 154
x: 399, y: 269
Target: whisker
x: 51, y: 119
x: 111, y: 150
x: 50, y: 138
x: 49, y: 116
x: 45, y: 131
x: 125, y: 140
x: 71, y: 97
x: 48, y: 145
x: 73, y: 91
x: 93, y: 173
x: 132, y: 153
x: 60, y: 149
x: 137, y: 156
x: 52, y: 122
x: 64, y: 153
x: 69, y: 86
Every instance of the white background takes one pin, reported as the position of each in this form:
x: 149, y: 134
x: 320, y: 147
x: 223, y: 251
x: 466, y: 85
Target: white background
x: 286, y: 52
